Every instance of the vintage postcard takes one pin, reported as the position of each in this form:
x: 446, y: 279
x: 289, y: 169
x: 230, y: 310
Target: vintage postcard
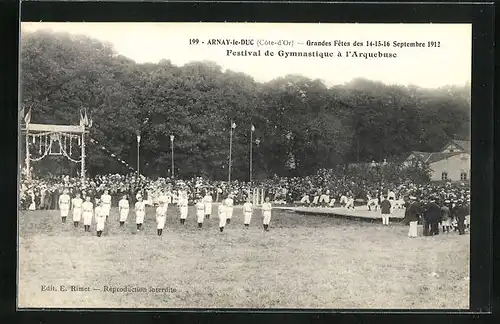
x: 244, y: 165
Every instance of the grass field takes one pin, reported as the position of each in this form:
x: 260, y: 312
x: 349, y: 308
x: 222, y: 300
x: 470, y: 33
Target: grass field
x: 302, y: 262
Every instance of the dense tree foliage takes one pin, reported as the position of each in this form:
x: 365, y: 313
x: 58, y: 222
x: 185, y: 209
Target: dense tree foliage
x: 302, y: 125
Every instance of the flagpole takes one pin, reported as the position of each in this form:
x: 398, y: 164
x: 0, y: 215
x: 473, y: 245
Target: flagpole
x: 138, y: 148
x: 230, y: 151
x: 27, y: 120
x: 172, y: 155
x: 251, y: 156
x: 28, y: 171
x: 82, y: 171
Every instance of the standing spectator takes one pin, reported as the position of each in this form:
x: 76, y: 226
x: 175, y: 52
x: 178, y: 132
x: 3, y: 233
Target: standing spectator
x: 412, y: 216
x: 385, y: 209
x: 433, y: 216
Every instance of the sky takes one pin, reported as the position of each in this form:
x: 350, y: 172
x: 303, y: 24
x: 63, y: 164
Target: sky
x: 448, y: 64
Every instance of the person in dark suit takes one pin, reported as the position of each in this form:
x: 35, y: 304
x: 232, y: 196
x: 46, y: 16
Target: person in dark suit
x: 460, y: 212
x: 435, y: 216
x: 432, y: 216
x: 425, y: 218
x: 412, y: 215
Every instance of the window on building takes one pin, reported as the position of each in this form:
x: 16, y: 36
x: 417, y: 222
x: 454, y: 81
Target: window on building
x: 444, y: 176
x: 463, y: 176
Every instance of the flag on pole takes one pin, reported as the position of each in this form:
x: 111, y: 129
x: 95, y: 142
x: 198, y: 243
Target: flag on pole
x: 252, y: 128
x: 27, y: 117
x: 233, y: 125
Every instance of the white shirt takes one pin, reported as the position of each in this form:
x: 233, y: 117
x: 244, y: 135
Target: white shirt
x: 208, y: 199
x: 140, y: 206
x: 267, y: 207
x: 161, y: 211
x: 229, y: 202
x: 163, y: 199
x: 77, y: 203
x: 123, y: 204
x: 182, y: 202
x: 247, y: 207
x: 200, y: 206
x: 88, y: 207
x: 106, y: 199
x: 64, y: 200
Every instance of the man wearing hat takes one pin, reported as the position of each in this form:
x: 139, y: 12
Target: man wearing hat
x: 433, y: 215
x: 446, y: 216
x: 412, y: 216
x: 64, y: 204
x: 385, y: 210
x: 459, y: 213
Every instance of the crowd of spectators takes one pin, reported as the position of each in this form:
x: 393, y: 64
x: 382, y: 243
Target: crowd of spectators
x: 42, y: 193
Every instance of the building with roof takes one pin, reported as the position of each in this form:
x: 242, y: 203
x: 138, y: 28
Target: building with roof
x: 452, y: 163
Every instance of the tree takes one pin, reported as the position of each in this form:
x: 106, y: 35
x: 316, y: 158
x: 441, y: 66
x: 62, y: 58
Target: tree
x: 302, y: 124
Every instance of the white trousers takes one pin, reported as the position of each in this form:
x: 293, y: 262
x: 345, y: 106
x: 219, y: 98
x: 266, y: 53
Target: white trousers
x: 267, y: 217
x: 106, y: 209
x: 412, y: 232
x: 248, y: 217
x: 139, y: 217
x: 229, y: 212
x: 222, y: 220
x: 385, y: 219
x: 350, y: 203
x: 87, y: 218
x: 324, y: 198
x: 200, y: 215
x: 160, y: 222
x: 183, y: 210
x: 208, y: 209
x: 64, y: 211
x: 123, y: 215
x: 332, y: 202
x: 305, y: 200
x: 315, y: 200
x: 77, y: 214
x: 100, y: 222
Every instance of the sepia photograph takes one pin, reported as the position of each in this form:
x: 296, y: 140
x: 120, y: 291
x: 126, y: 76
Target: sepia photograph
x: 244, y: 166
